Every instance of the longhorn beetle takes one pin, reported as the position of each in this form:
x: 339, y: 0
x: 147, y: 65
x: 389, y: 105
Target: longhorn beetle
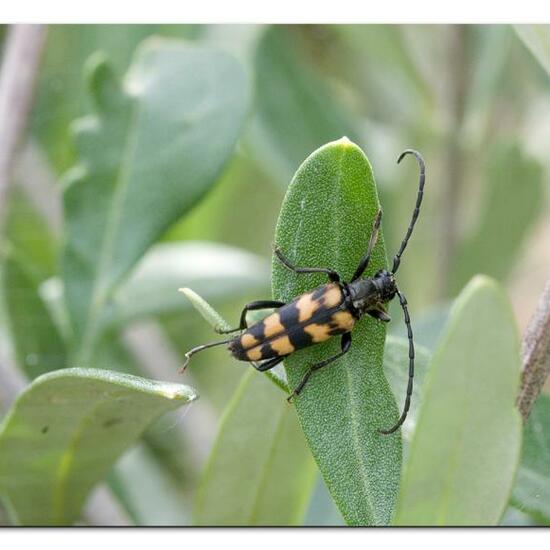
x: 329, y: 310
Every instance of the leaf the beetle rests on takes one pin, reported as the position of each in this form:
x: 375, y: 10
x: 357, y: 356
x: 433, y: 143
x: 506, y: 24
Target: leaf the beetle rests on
x: 326, y: 221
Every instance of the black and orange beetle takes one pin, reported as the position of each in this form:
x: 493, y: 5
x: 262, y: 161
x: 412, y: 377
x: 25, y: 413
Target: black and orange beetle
x: 329, y: 310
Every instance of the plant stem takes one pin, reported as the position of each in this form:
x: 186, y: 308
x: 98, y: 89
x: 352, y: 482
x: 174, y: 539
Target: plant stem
x: 23, y: 50
x: 536, y: 355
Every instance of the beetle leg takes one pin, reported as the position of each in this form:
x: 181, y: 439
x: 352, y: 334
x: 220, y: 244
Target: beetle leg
x: 364, y: 263
x: 330, y: 273
x: 267, y: 365
x: 379, y: 314
x: 346, y: 345
x: 252, y: 306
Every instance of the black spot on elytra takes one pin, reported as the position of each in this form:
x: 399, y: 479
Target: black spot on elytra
x: 288, y: 315
x: 112, y: 422
x: 267, y: 351
x: 299, y: 338
x: 257, y: 330
x: 319, y: 292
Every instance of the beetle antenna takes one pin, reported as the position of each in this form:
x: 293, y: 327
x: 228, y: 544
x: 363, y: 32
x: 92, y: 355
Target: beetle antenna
x: 201, y: 348
x: 419, y: 196
x: 403, y: 302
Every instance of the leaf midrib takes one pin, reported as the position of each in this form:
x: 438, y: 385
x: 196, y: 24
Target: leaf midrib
x: 122, y: 181
x: 353, y: 420
x: 64, y: 467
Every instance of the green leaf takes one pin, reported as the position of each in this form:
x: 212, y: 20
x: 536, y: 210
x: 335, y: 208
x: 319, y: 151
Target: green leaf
x: 66, y: 430
x: 59, y: 95
x: 260, y: 471
x: 510, y: 208
x: 296, y: 111
x: 209, y: 314
x: 213, y: 270
x: 38, y: 345
x: 465, y: 450
x: 536, y: 38
x: 156, y: 144
x: 31, y: 239
x: 326, y: 220
x: 322, y: 510
x: 532, y: 489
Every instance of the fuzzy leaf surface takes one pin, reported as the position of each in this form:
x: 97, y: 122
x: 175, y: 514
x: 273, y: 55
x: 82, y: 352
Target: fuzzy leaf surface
x: 326, y: 221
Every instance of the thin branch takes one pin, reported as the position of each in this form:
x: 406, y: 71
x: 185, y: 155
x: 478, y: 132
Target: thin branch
x: 24, y: 45
x: 536, y: 355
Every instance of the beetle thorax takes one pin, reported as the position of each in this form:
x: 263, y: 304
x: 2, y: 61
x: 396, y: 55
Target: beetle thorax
x: 368, y: 294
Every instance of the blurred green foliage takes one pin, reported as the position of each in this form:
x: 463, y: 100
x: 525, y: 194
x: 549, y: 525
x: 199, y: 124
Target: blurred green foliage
x: 474, y: 97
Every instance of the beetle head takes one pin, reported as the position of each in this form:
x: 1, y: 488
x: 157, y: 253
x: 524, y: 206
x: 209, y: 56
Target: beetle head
x: 384, y: 281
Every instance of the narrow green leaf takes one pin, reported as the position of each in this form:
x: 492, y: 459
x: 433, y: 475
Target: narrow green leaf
x: 156, y: 144
x: 30, y: 236
x: 260, y: 471
x: 465, y: 450
x: 296, y: 111
x: 37, y: 343
x: 66, y: 430
x: 213, y: 270
x: 326, y: 220
x: 210, y: 315
x: 532, y: 489
x: 509, y: 209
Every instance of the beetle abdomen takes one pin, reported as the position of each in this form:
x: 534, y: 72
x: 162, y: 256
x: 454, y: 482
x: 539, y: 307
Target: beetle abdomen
x: 309, y: 319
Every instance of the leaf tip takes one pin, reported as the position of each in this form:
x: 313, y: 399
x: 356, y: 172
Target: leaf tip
x: 178, y: 392
x: 480, y: 283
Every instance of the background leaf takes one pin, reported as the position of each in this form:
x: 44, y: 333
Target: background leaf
x: 156, y: 145
x: 38, y: 345
x: 510, y: 207
x: 532, y: 488
x: 213, y: 270
x: 326, y: 220
x: 296, y: 112
x: 65, y: 431
x: 260, y: 471
x: 465, y: 450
